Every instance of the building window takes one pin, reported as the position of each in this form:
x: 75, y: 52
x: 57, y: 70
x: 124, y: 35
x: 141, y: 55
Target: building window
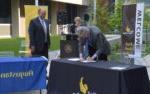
x: 29, y: 2
x: 72, y: 13
x: 5, y: 11
x: 44, y: 2
x: 32, y: 2
x: 66, y: 13
x: 25, y: 2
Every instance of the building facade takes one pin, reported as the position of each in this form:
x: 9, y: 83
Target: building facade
x: 12, y: 14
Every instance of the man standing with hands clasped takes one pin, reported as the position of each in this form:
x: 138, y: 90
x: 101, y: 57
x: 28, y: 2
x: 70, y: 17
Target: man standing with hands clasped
x: 39, y: 35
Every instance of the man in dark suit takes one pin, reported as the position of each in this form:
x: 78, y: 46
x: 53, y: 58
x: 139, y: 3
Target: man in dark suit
x: 92, y: 43
x: 39, y: 35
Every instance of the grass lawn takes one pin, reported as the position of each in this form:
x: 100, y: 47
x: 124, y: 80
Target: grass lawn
x: 14, y: 44
x: 55, y: 43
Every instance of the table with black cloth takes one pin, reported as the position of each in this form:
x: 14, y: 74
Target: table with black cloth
x: 71, y: 77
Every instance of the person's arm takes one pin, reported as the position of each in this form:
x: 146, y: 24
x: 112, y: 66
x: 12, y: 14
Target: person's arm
x: 81, y: 51
x: 31, y: 35
x: 72, y: 29
x: 48, y: 35
x: 99, y: 44
x: 49, y: 40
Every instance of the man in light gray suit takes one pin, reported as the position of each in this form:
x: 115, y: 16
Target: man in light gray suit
x: 92, y: 43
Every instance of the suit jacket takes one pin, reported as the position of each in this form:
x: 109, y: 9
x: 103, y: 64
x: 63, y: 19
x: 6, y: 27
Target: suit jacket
x: 37, y: 34
x: 73, y: 29
x: 97, y: 41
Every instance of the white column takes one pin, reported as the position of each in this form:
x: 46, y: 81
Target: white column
x: 37, y: 2
x: 15, y: 14
x: 53, y: 17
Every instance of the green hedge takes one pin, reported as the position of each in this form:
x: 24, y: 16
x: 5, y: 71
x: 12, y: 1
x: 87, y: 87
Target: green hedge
x: 55, y: 42
x: 12, y: 44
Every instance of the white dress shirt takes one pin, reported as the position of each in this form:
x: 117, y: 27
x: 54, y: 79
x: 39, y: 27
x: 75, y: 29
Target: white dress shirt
x: 42, y: 21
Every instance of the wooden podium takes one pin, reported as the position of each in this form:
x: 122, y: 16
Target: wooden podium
x: 70, y: 37
x: 69, y: 48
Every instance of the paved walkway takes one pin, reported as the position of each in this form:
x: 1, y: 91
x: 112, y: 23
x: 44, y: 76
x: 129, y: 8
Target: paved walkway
x: 32, y: 92
x: 146, y: 62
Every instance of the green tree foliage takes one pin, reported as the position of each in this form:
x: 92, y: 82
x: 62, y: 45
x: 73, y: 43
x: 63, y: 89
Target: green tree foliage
x: 91, y: 11
x: 102, y: 15
x: 109, y: 15
x: 115, y: 19
x: 147, y: 18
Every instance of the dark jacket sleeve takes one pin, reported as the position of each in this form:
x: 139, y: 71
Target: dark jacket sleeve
x: 103, y: 45
x: 81, y: 47
x: 99, y: 44
x: 72, y: 29
x: 48, y: 35
x: 31, y: 32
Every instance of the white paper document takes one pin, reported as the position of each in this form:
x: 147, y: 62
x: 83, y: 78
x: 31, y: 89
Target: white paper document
x: 74, y: 59
x: 86, y: 61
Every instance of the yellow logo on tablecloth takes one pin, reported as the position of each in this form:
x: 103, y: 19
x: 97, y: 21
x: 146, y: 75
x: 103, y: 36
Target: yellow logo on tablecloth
x: 83, y: 86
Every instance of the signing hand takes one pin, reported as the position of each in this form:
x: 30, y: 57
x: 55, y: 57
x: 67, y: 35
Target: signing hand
x: 89, y: 58
x: 82, y: 59
x: 32, y: 48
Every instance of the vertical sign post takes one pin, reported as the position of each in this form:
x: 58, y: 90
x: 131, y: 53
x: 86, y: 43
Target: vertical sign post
x: 36, y: 2
x: 132, y: 28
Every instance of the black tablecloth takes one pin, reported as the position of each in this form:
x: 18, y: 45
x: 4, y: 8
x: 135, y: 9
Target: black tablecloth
x: 100, y: 78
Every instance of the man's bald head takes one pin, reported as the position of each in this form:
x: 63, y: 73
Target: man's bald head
x: 42, y: 13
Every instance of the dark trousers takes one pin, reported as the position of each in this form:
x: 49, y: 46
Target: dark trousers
x: 100, y: 57
x: 42, y: 52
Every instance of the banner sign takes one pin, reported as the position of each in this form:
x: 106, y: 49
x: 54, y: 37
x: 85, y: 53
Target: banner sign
x: 22, y: 74
x: 128, y: 27
x: 139, y: 29
x: 132, y: 28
